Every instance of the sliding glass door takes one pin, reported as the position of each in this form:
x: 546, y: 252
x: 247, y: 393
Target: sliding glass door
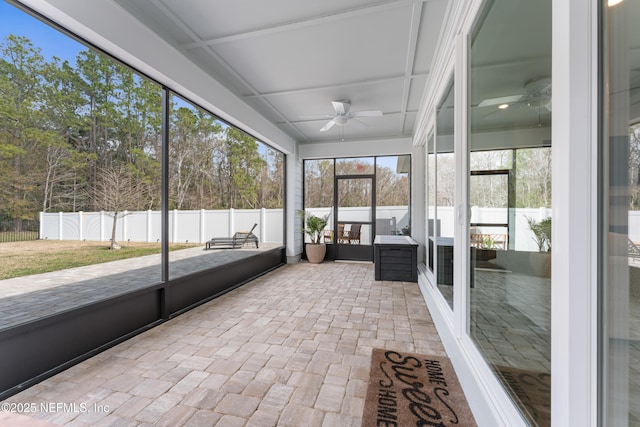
x: 620, y: 234
x: 509, y: 199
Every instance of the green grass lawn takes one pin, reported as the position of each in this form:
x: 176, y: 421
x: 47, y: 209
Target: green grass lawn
x: 24, y: 261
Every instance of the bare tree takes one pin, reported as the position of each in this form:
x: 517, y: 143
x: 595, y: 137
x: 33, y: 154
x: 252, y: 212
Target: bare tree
x: 115, y: 191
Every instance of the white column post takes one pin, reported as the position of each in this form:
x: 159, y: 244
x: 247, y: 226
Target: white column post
x: 294, y: 238
x: 41, y: 232
x: 232, y: 222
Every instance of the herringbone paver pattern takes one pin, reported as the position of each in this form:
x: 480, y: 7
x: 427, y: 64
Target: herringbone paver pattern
x: 291, y: 348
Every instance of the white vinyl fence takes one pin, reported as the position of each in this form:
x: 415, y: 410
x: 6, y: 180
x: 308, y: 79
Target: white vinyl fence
x: 197, y: 226
x: 524, y: 238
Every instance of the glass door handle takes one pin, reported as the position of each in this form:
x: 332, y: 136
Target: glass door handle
x: 462, y: 214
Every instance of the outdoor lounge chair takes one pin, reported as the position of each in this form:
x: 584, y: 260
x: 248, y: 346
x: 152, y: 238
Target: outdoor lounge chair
x: 345, y: 237
x: 238, y: 240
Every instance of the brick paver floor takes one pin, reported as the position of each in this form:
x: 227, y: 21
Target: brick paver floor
x: 291, y: 348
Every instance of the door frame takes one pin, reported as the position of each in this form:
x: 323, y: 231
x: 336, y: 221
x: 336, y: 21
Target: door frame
x: 511, y: 202
x: 359, y: 252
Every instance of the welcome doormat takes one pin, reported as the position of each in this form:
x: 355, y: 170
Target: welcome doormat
x: 531, y: 390
x: 408, y: 389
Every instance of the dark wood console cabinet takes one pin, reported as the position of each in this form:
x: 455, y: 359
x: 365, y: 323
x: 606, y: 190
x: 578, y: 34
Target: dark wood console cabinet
x: 395, y: 258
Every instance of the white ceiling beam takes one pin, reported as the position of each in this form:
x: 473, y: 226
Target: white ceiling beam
x: 169, y: 14
x: 295, y: 122
x: 514, y: 62
x: 335, y: 86
x: 414, y: 30
x: 378, y: 7
x: 324, y: 87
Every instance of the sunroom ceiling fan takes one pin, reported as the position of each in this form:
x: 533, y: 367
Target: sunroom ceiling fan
x: 537, y: 93
x: 342, y: 115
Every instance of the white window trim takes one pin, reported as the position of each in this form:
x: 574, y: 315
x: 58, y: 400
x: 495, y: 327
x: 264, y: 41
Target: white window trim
x: 575, y: 287
x: 488, y: 400
x: 574, y: 295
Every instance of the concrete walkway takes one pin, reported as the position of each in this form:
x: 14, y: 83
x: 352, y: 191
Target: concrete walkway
x: 291, y: 348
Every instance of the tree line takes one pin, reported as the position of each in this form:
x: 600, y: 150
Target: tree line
x: 87, y: 136
x: 392, y: 189
x: 530, y: 177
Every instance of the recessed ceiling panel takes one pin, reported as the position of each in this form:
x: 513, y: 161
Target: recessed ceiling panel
x: 346, y: 51
x: 221, y: 18
x: 288, y: 58
x: 433, y: 12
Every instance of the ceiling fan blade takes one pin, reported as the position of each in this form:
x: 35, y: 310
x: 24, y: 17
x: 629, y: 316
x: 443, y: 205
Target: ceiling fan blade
x: 499, y: 101
x: 537, y: 87
x: 359, y: 122
x: 341, y: 107
x: 373, y: 113
x: 328, y: 126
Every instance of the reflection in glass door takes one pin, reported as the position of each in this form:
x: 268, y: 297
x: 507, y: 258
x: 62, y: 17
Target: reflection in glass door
x: 509, y: 154
x: 441, y: 246
x: 620, y: 199
x: 354, y: 218
x: 489, y: 201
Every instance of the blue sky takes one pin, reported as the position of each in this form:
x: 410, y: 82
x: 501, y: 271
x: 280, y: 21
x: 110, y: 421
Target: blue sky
x: 51, y: 42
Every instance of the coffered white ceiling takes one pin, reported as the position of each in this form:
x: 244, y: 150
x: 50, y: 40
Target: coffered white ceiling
x: 291, y: 58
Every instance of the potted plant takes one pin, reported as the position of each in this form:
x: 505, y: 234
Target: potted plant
x: 542, y: 233
x: 541, y: 262
x: 314, y: 227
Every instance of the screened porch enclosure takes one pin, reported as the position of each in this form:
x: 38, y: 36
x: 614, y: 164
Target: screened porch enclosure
x: 371, y: 197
